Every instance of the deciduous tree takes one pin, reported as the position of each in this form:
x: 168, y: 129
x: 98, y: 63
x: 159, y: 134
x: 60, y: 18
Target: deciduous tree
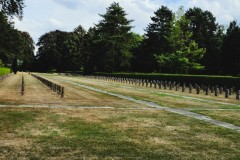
x: 184, y: 54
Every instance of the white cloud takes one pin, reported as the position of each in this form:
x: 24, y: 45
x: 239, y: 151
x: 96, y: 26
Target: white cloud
x: 55, y: 22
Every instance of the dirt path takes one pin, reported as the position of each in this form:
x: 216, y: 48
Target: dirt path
x: 154, y: 105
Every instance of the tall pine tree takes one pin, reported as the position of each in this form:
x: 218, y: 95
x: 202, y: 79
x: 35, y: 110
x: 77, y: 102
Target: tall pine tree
x: 113, y: 40
x: 231, y: 50
x: 155, y: 42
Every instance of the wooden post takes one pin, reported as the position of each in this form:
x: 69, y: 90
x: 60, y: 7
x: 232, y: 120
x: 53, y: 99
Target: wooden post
x: 198, y: 89
x: 183, y: 88
x: 216, y: 92
x: 212, y: 89
x: 207, y: 90
x: 221, y: 90
x: 22, y: 91
x: 230, y: 91
x: 190, y: 88
x: 62, y: 92
x: 227, y: 93
x: 238, y: 95
x: 160, y: 85
x: 177, y: 86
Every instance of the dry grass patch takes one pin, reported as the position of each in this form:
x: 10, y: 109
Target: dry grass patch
x: 111, y: 134
x: 102, y: 83
x: 147, y: 94
x: 230, y: 116
x: 37, y: 93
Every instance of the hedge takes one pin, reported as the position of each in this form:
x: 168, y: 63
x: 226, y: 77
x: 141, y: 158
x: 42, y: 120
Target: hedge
x: 4, y: 71
x: 227, y: 81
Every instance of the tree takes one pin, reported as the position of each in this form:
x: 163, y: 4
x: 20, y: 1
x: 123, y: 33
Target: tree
x: 27, y: 55
x: 12, y: 7
x: 136, y: 51
x: 155, y: 41
x: 79, y: 34
x: 89, y: 51
x: 231, y: 50
x: 208, y: 34
x: 14, y: 44
x: 6, y: 34
x: 113, y: 40
x: 184, y: 54
x: 60, y: 51
x: 48, y: 56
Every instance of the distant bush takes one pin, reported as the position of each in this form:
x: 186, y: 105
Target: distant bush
x: 4, y: 71
x: 227, y: 81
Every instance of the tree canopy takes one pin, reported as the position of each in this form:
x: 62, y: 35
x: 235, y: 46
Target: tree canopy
x: 12, y: 7
x: 15, y: 45
x: 113, y: 40
x: 231, y: 50
x: 155, y: 41
x: 184, y: 54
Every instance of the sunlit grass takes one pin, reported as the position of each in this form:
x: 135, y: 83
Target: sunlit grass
x: 111, y: 134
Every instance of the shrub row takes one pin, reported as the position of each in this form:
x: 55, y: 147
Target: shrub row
x: 227, y: 81
x: 4, y: 71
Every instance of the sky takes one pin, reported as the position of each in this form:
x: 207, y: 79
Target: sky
x: 42, y: 16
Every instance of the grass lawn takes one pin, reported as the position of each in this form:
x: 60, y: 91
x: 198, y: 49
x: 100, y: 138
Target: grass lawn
x: 111, y: 134
x: 166, y: 98
x: 84, y: 129
x: 230, y: 116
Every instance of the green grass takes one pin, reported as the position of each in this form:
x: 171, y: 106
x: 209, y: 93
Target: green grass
x: 4, y: 71
x: 230, y: 116
x: 111, y: 134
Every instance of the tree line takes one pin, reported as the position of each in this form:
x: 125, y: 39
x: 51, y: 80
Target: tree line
x: 183, y: 42
x: 16, y: 47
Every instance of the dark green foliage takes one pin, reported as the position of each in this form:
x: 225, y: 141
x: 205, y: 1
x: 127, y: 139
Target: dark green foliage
x: 12, y: 7
x: 113, y: 39
x: 27, y: 51
x: 207, y: 34
x: 15, y: 66
x: 7, y: 39
x: 184, y: 54
x: 59, y: 51
x: 231, y: 50
x: 155, y: 42
x: 15, y: 44
x: 88, y: 54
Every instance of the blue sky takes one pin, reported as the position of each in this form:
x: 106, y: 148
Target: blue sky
x: 41, y: 16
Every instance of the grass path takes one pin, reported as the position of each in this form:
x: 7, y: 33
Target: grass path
x: 154, y: 105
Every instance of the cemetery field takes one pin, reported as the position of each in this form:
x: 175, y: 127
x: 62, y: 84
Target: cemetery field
x: 100, y: 119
